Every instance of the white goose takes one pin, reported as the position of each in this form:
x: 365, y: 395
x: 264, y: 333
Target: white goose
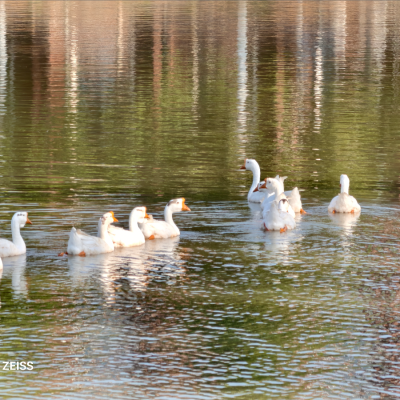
x: 253, y: 196
x: 285, y: 206
x: 278, y: 219
x: 343, y: 202
x: 134, y: 237
x: 155, y: 229
x: 295, y: 201
x: 274, y: 187
x: 17, y: 246
x: 82, y: 244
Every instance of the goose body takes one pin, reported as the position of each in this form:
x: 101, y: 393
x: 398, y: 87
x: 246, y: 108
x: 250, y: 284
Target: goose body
x: 132, y: 237
x: 155, y: 229
x: 17, y: 245
x: 343, y: 202
x: 80, y: 243
x: 278, y: 219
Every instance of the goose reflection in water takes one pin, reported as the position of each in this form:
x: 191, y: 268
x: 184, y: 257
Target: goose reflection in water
x: 15, y: 267
x: 345, y: 220
x: 255, y: 209
x: 156, y: 259
x: 282, y: 244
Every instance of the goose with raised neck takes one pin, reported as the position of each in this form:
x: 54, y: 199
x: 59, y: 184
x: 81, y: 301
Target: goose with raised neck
x: 82, y: 244
x: 343, y: 202
x: 17, y: 245
x: 154, y: 229
x: 254, y: 196
x: 132, y: 237
x: 272, y: 187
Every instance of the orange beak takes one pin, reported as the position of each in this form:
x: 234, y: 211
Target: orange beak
x: 146, y: 215
x: 28, y: 221
x: 256, y: 189
x: 114, y: 219
x: 244, y: 164
x: 184, y: 206
x: 264, y: 185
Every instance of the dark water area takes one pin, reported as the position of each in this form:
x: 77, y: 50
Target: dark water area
x: 109, y: 105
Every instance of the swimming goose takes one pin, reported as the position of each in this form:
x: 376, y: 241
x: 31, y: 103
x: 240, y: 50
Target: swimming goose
x: 132, y: 237
x: 155, y: 229
x: 278, y: 219
x: 274, y: 187
x: 253, y: 196
x: 295, y: 201
x: 82, y: 244
x: 343, y: 202
x: 17, y: 246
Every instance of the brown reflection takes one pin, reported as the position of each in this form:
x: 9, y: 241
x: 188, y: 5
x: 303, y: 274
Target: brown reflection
x: 179, y: 85
x: 57, y: 57
x: 157, y: 57
x: 382, y: 294
x: 3, y: 58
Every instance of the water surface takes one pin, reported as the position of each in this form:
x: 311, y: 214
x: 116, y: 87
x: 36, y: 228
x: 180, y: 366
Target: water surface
x: 113, y: 104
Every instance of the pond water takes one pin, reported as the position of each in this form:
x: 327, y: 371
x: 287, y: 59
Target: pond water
x: 108, y: 105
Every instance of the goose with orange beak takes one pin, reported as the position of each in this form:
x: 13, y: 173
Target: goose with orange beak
x: 254, y: 195
x: 132, y: 237
x: 154, y: 229
x: 275, y: 188
x: 82, y: 244
x: 17, y: 245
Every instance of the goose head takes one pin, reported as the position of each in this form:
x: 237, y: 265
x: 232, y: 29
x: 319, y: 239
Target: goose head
x: 260, y: 187
x: 140, y: 213
x: 272, y: 185
x: 177, y: 205
x: 21, y: 218
x: 249, y: 164
x: 108, y: 218
x: 344, y: 183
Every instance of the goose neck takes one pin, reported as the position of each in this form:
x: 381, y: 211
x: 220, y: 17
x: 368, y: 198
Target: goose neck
x: 133, y: 222
x: 168, y: 218
x: 102, y: 232
x: 255, y: 169
x: 277, y: 188
x: 344, y: 188
x: 16, y: 235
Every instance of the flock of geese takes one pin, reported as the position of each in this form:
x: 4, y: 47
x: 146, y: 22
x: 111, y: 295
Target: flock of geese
x: 141, y: 227
x: 279, y: 209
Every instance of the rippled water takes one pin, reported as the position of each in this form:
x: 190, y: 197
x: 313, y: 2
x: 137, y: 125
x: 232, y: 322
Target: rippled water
x: 113, y: 104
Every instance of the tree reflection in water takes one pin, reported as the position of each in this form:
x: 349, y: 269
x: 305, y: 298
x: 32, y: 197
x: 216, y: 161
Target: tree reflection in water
x: 382, y: 294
